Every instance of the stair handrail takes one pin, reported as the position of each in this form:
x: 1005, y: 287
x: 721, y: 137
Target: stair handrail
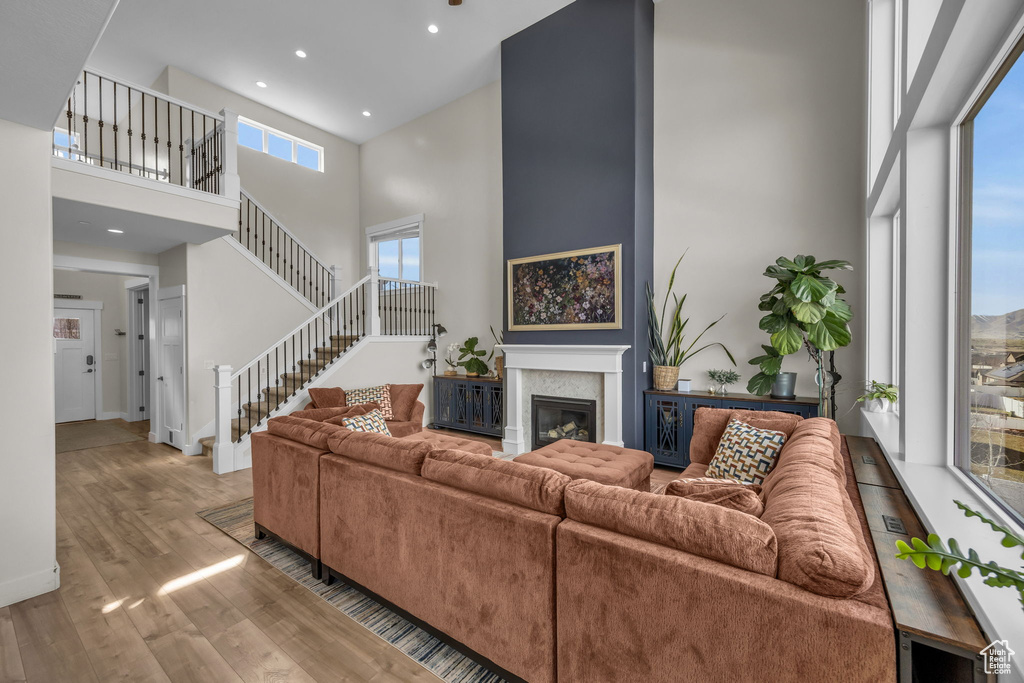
x: 320, y: 312
x: 154, y: 93
x: 284, y: 229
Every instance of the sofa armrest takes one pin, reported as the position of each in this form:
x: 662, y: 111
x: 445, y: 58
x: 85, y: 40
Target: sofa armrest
x: 286, y: 490
x: 417, y: 413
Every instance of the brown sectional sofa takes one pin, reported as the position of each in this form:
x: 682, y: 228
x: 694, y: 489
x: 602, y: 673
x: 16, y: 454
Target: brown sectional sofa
x: 549, y: 579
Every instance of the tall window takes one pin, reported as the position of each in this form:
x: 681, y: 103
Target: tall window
x: 281, y: 145
x: 991, y: 409
x: 396, y: 253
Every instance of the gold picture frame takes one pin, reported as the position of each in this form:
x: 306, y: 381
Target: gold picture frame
x: 574, y: 290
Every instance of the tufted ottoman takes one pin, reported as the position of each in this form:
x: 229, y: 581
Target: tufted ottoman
x: 598, y: 462
x: 447, y: 441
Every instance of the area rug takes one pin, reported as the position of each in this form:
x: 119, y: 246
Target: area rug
x: 77, y: 436
x: 440, y: 659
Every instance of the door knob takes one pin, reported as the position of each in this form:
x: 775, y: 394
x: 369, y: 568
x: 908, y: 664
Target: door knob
x: 89, y: 370
x: 160, y: 378
x: 88, y: 360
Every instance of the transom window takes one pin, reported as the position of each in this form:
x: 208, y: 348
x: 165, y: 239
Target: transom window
x: 281, y: 145
x: 991, y: 411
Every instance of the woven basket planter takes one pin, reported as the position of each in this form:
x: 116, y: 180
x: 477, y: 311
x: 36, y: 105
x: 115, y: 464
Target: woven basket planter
x: 665, y: 377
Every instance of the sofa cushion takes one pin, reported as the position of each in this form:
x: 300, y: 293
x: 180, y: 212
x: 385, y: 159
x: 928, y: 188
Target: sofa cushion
x: 309, y: 432
x: 443, y: 441
x: 403, y: 400
x: 710, y: 531
x: 821, y: 543
x: 746, y: 453
x: 372, y: 421
x: 401, y: 430
x: 709, y: 424
x: 725, y: 492
x: 327, y: 397
x: 332, y: 415
x: 381, y: 395
x: 384, y: 451
x: 532, y: 487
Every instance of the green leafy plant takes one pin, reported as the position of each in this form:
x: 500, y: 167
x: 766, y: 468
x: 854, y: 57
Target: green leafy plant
x: 936, y: 555
x: 880, y: 390
x: 802, y: 308
x: 667, y: 345
x: 473, y: 362
x: 499, y: 336
x: 725, y: 377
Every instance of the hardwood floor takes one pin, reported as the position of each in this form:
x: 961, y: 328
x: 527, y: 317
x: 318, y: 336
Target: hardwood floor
x: 150, y: 592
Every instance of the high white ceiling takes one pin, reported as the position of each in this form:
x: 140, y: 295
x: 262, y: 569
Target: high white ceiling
x: 42, y: 48
x: 373, y: 55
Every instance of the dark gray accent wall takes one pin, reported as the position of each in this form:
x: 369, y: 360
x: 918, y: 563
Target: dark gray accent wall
x: 577, y: 105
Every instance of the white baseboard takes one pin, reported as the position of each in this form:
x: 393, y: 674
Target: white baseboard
x: 29, y: 586
x: 110, y: 415
x: 124, y: 416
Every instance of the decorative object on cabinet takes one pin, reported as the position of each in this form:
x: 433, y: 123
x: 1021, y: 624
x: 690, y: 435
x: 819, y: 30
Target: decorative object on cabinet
x: 569, y: 290
x: 499, y: 356
x: 668, y: 418
x: 474, y: 366
x: 469, y: 404
x: 803, y: 310
x: 450, y: 361
x: 721, y: 379
x: 667, y: 351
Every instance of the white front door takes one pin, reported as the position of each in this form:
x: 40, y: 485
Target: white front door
x: 74, y: 364
x: 172, y: 367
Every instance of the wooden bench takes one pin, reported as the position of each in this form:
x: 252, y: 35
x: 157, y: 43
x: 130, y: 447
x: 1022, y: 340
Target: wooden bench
x: 938, y: 638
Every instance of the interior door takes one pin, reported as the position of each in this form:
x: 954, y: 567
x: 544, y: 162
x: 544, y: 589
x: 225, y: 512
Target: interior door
x: 172, y: 368
x: 138, y: 330
x: 74, y: 364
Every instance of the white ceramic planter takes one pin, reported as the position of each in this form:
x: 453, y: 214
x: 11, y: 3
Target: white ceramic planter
x: 879, y: 405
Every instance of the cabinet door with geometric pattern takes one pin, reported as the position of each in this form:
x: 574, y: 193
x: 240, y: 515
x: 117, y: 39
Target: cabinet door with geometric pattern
x: 665, y: 432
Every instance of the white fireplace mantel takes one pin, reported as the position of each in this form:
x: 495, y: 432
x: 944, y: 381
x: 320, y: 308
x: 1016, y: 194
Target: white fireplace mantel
x: 602, y: 359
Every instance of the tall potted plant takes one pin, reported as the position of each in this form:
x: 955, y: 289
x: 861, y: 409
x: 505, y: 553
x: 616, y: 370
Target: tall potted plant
x: 665, y: 334
x: 803, y: 309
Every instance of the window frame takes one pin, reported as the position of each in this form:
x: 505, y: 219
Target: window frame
x: 295, y: 141
x: 395, y: 230
x: 962, y: 256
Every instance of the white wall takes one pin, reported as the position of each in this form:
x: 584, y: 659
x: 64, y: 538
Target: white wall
x: 759, y: 148
x: 111, y: 291
x: 103, y: 253
x: 28, y: 564
x: 322, y: 209
x: 447, y: 166
x: 173, y: 268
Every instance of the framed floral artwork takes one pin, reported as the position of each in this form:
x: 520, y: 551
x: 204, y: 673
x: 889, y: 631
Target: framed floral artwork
x: 570, y: 290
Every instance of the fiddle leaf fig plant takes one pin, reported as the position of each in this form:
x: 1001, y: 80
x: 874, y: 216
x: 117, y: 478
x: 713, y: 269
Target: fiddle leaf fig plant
x: 802, y: 308
x: 473, y: 364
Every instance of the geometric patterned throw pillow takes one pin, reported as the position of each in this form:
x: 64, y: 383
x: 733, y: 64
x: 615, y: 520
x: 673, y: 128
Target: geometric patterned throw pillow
x: 380, y: 395
x: 746, y: 454
x: 373, y: 421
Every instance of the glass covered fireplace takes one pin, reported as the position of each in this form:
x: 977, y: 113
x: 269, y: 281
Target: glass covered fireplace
x: 556, y: 418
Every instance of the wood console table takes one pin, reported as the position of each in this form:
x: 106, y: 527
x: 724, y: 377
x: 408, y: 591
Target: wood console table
x: 938, y: 638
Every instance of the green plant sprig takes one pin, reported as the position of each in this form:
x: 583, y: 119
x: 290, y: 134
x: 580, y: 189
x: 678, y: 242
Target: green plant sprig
x: 724, y: 376
x: 887, y: 392
x: 935, y: 555
x: 667, y: 346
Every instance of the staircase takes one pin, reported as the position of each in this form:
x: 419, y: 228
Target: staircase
x: 275, y: 382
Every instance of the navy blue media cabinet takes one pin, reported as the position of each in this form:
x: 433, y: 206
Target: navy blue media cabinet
x: 469, y: 404
x: 668, y: 418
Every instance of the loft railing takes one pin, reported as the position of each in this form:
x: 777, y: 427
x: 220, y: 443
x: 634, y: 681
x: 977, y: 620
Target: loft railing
x: 374, y: 306
x: 282, y: 252
x: 135, y: 130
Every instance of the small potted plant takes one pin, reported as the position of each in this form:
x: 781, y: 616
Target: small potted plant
x: 880, y: 397
x: 470, y: 358
x: 721, y: 379
x: 450, y: 361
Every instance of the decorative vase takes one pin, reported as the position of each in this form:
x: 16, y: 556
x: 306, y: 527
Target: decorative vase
x: 665, y: 377
x: 499, y: 367
x: 451, y: 373
x: 785, y: 385
x: 722, y: 389
x: 879, y: 405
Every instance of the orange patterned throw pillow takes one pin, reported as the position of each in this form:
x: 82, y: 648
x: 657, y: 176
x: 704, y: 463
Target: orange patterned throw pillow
x: 373, y: 421
x: 380, y: 395
x: 745, y: 453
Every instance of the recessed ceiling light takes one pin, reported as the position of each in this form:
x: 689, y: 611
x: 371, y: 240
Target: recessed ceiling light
x: 84, y: 223
x: 366, y: 113
x: 432, y: 28
x: 115, y: 231
x: 261, y: 84
x: 301, y: 54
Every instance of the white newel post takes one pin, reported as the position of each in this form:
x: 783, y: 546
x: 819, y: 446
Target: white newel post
x: 223, y: 447
x: 335, y: 281
x: 374, y: 304
x: 232, y: 185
